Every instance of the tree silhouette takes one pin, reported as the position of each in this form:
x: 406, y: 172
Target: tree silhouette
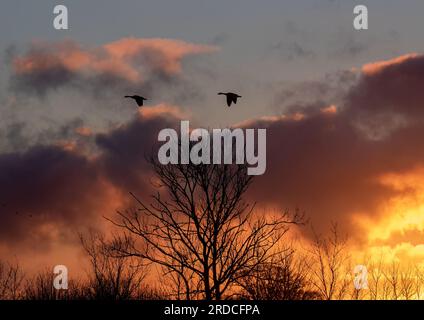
x: 109, y: 277
x: 285, y: 277
x: 40, y: 287
x: 200, y: 230
x: 330, y: 267
x: 11, y: 278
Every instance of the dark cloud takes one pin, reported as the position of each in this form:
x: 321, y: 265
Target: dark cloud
x: 329, y: 90
x: 18, y: 135
x: 393, y: 87
x: 39, y: 82
x: 48, y: 193
x: 324, y: 163
x: 124, y: 151
x: 45, y: 186
x: 15, y: 138
x: 127, y: 65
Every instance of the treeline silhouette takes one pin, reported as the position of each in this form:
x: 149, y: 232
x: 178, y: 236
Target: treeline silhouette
x: 197, y: 238
x: 322, y: 272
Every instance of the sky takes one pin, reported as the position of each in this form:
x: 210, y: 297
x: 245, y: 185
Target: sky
x: 258, y: 40
x: 342, y: 109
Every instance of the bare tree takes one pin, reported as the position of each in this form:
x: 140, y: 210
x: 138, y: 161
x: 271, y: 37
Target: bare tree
x: 11, y: 278
x: 388, y: 281
x: 110, y: 277
x: 419, y: 280
x: 376, y: 278
x: 392, y: 277
x: 331, y: 273
x: 40, y: 287
x: 200, y: 230
x: 285, y: 277
x: 407, y: 283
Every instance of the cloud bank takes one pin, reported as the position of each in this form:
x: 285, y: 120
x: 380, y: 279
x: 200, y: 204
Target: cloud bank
x: 327, y: 159
x: 126, y: 63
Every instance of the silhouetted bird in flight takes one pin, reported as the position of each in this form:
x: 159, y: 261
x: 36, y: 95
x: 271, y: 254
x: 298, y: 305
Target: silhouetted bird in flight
x: 231, y: 97
x: 138, y: 99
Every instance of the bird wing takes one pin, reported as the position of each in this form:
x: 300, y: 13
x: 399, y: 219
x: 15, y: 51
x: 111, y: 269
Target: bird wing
x: 229, y: 100
x: 235, y: 99
x: 139, y: 101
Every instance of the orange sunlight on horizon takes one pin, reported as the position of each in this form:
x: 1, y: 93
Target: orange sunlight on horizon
x: 397, y: 232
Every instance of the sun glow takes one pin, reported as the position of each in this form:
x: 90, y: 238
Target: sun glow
x: 399, y: 228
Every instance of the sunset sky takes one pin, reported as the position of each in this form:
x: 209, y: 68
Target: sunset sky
x: 344, y: 112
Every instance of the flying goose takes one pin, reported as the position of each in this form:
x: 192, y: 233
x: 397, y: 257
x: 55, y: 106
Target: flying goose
x: 231, y: 97
x: 138, y: 99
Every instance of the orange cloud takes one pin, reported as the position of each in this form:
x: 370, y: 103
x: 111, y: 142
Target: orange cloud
x: 267, y: 120
x: 84, y: 131
x: 399, y: 228
x: 375, y: 67
x: 329, y: 110
x: 163, y: 54
x: 126, y: 58
x: 162, y: 110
